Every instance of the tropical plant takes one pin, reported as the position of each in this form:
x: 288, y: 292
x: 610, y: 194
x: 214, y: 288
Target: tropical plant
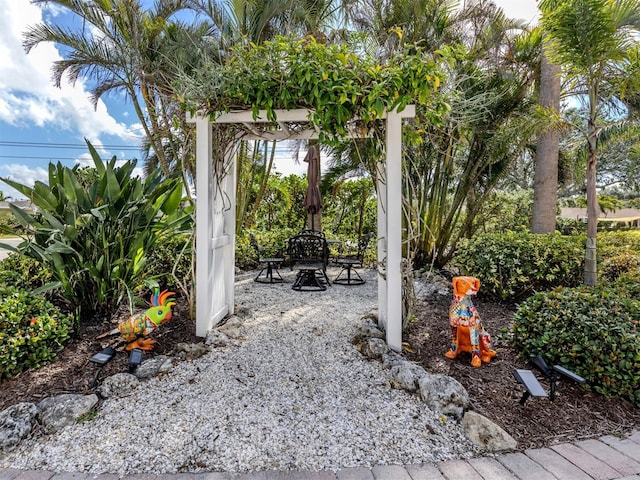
x: 514, y: 265
x: 94, y: 237
x: 596, y: 44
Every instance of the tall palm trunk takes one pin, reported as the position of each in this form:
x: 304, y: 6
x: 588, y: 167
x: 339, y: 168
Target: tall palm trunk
x: 545, y: 188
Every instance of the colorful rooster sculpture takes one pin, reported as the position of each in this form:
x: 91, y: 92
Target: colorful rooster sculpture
x: 135, y: 328
x: 467, y: 332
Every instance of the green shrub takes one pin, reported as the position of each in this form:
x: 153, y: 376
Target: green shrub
x: 592, y: 331
x: 32, y: 330
x: 512, y: 266
x: 169, y: 262
x: 24, y: 272
x: 620, y: 264
x: 612, y: 243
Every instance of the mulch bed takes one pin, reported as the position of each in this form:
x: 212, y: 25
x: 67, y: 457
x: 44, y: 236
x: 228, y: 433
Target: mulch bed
x: 576, y: 413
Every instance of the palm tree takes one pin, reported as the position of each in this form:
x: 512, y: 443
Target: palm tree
x: 545, y: 188
x: 596, y: 43
x: 116, y: 47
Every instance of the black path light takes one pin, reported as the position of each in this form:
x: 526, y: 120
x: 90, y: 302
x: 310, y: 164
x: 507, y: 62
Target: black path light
x: 100, y: 359
x: 553, y: 374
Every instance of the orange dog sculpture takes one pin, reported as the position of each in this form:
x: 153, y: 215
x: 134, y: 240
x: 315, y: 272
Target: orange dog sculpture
x: 467, y: 333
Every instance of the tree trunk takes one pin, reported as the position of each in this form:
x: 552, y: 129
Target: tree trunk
x: 545, y: 188
x: 590, y: 263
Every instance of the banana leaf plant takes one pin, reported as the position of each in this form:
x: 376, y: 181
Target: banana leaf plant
x: 94, y: 232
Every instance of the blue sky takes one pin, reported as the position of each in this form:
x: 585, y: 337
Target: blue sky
x: 40, y: 123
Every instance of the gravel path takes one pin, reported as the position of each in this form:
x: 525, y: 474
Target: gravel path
x: 294, y: 393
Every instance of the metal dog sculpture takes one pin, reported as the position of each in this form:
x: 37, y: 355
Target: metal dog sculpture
x: 467, y: 333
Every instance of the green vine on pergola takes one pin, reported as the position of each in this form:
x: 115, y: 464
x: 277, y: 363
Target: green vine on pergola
x: 338, y: 86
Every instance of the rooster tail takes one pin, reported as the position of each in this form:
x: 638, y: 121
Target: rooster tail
x: 115, y: 331
x: 159, y: 299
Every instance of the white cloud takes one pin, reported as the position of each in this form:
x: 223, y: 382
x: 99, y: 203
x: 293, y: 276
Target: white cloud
x: 27, y: 94
x: 23, y: 175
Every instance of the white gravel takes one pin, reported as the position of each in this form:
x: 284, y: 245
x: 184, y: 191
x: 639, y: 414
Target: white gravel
x: 293, y: 394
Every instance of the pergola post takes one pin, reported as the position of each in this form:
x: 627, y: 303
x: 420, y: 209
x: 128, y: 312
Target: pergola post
x: 215, y: 231
x: 204, y: 269
x: 393, y: 231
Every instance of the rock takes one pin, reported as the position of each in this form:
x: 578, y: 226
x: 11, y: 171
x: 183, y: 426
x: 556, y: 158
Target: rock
x: 57, y: 412
x: 216, y: 339
x: 190, y: 351
x: 371, y: 315
x: 430, y: 284
x: 443, y: 394
x: 15, y: 424
x: 118, y: 385
x: 368, y: 330
x: 374, y: 348
x: 486, y: 434
x: 406, y: 375
x: 232, y: 328
x: 391, y: 359
x: 154, y: 366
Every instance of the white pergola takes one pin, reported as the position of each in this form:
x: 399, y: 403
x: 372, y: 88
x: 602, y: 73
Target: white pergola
x: 216, y: 204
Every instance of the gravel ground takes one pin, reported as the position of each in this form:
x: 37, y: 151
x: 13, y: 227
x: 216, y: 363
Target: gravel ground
x: 292, y: 394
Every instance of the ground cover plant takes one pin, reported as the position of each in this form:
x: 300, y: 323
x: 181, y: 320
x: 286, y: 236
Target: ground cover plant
x: 32, y: 330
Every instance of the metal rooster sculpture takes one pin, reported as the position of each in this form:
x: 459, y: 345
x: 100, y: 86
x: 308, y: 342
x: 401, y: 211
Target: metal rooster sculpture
x: 134, y: 329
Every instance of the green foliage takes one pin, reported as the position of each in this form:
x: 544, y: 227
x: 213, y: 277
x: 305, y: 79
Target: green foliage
x: 614, y: 242
x: 170, y: 260
x: 24, y: 272
x: 506, y: 211
x: 623, y: 263
x: 332, y: 80
x: 512, y: 266
x: 8, y: 224
x: 592, y: 331
x: 32, y: 330
x: 272, y: 244
x: 571, y: 226
x: 93, y: 232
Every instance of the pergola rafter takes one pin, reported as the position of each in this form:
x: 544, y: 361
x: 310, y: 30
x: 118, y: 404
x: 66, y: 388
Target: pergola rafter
x: 216, y: 203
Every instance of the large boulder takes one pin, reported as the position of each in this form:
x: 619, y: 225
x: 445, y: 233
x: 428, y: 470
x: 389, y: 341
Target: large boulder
x: 486, y: 434
x: 57, y: 412
x: 15, y: 424
x: 443, y: 394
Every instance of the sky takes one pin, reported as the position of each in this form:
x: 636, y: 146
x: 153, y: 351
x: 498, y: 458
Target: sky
x: 40, y: 123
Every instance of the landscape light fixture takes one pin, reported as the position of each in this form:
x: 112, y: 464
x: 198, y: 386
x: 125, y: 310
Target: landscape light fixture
x: 135, y: 359
x: 530, y: 382
x: 100, y: 359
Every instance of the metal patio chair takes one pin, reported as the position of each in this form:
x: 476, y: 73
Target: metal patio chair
x: 309, y: 255
x: 269, y: 265
x: 348, y: 263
